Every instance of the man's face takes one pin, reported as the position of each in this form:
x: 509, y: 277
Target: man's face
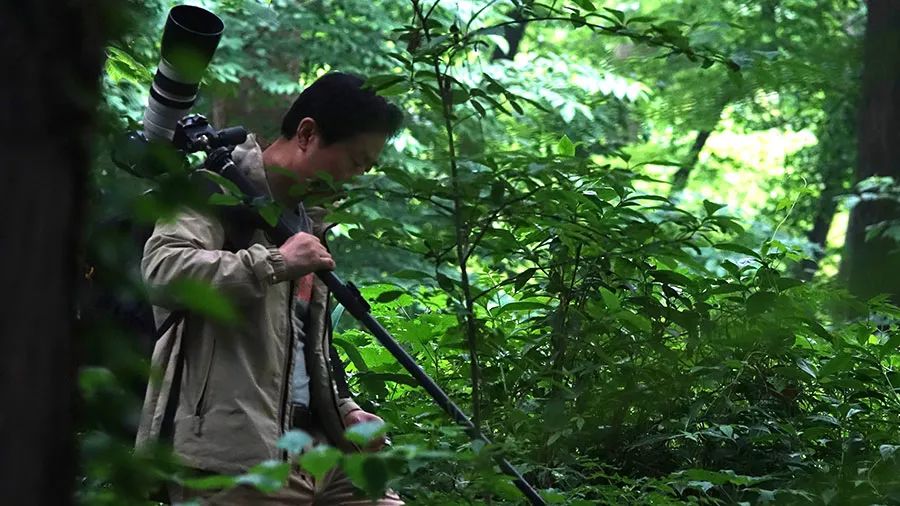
x: 341, y: 161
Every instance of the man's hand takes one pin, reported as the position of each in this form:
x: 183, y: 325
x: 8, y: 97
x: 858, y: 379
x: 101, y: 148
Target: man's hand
x: 304, y: 253
x: 359, y: 416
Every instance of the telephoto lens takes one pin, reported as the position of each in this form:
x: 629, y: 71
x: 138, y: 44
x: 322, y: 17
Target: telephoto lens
x: 188, y: 43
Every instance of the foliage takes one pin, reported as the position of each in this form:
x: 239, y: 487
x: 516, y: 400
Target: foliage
x: 620, y: 347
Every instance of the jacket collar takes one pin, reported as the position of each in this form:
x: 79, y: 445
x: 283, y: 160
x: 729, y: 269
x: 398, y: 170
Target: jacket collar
x: 248, y: 158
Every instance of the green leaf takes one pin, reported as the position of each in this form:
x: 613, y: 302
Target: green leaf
x: 636, y: 321
x: 520, y: 306
x: 395, y: 89
x: 271, y: 212
x: 726, y: 288
x: 711, y: 207
x: 223, y: 199
x: 760, y: 302
x: 585, y: 4
x: 353, y: 352
x: 209, y: 482
x: 727, y: 431
x: 610, y: 299
x: 294, y: 441
x: 389, y: 295
x: 445, y: 282
x: 93, y: 380
x: 806, y: 367
x: 382, y: 81
x: 818, y: 329
x: 837, y: 364
x: 365, y: 432
x: 388, y: 376
x: 565, y: 147
x: 336, y: 316
x: 203, y: 299
x: 672, y: 277
x: 121, y: 66
x: 320, y: 460
x: 459, y: 96
x: 478, y: 107
x: 617, y: 13
x: 523, y: 277
x: 267, y: 476
x: 368, y: 472
x: 411, y: 274
x: 227, y: 184
x: 737, y: 248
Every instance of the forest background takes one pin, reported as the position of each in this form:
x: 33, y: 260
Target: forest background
x: 650, y: 246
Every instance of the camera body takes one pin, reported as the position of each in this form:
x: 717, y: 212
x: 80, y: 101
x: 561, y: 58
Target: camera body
x: 193, y: 133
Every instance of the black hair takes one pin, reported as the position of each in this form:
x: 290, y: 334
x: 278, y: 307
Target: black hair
x: 342, y: 108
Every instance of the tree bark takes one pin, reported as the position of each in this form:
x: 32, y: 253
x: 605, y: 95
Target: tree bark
x: 513, y: 35
x: 768, y: 41
x: 873, y: 267
x: 219, y: 118
x: 818, y: 234
x: 834, y: 164
x: 680, y: 179
x: 49, y: 97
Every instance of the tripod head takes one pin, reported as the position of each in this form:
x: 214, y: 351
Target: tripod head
x: 152, y: 159
x: 193, y: 133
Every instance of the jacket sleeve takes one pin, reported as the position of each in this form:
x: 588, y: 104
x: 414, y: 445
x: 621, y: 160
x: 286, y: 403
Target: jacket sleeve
x: 190, y: 247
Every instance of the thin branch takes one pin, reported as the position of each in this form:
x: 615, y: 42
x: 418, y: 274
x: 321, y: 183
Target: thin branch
x: 474, y: 242
x: 428, y: 15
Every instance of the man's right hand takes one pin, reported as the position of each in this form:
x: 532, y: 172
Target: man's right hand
x: 304, y: 253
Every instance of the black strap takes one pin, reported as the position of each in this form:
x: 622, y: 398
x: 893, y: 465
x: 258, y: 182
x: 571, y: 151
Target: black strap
x: 173, y: 318
x: 167, y: 426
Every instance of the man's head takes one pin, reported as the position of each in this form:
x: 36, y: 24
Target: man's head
x: 336, y: 126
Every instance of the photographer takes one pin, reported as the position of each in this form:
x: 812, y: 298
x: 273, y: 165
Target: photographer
x: 239, y: 388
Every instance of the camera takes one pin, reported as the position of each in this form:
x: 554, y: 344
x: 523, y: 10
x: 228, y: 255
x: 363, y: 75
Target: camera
x: 190, y: 38
x: 189, y: 41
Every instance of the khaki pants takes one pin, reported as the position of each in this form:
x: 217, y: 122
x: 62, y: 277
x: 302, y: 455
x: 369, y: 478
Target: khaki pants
x: 301, y: 489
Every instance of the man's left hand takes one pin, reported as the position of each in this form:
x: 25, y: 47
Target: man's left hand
x: 359, y: 416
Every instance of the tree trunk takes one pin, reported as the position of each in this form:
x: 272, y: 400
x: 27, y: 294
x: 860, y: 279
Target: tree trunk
x: 834, y: 163
x: 219, y: 118
x: 818, y: 235
x: 513, y: 35
x: 680, y: 179
x: 768, y: 41
x: 872, y: 267
x: 48, y: 101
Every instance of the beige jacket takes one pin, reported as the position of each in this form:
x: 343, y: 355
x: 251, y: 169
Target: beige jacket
x: 236, y: 378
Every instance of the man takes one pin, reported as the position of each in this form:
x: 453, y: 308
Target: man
x: 242, y: 386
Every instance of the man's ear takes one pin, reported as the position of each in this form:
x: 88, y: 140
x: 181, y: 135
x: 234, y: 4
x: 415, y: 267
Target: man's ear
x: 307, y: 130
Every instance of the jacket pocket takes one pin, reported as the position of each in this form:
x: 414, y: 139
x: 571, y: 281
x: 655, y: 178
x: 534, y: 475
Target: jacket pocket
x: 200, y: 404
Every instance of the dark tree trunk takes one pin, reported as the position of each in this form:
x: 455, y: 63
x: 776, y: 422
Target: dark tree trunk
x: 219, y: 116
x: 48, y: 100
x: 513, y: 35
x: 680, y: 179
x: 872, y: 267
x: 834, y: 164
x: 768, y: 41
x: 818, y: 234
